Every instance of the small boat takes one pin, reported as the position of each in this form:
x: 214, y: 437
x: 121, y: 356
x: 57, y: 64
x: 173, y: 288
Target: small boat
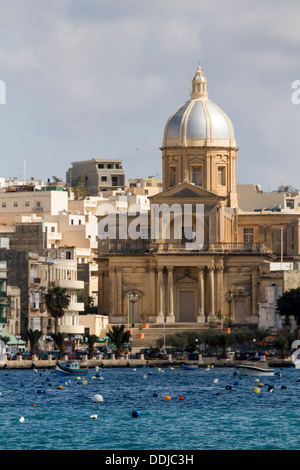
x: 186, y: 367
x: 70, y: 368
x: 257, y: 369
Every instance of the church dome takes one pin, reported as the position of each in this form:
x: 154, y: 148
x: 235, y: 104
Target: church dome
x: 199, y: 122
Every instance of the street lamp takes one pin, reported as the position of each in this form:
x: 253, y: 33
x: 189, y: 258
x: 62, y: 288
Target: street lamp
x: 18, y: 337
x: 133, y: 297
x: 229, y: 298
x: 48, y: 339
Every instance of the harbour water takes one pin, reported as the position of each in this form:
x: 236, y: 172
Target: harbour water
x: 208, y: 409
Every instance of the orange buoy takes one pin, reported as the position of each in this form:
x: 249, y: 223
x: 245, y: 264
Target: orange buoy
x: 167, y: 397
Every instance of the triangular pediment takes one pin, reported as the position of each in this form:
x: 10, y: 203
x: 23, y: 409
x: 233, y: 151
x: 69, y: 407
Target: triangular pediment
x: 186, y: 190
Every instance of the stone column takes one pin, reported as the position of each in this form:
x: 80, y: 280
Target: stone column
x: 201, y: 296
x: 170, y: 318
x: 152, y: 294
x: 211, y: 281
x: 254, y: 293
x: 119, y: 298
x: 160, y: 294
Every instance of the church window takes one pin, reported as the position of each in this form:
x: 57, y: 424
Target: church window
x: 197, y: 175
x: 173, y: 176
x: 221, y: 176
x: 248, y: 235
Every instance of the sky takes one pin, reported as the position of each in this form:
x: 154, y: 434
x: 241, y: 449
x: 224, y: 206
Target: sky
x: 100, y: 78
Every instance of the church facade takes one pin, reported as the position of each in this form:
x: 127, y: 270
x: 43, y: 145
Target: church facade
x: 194, y: 257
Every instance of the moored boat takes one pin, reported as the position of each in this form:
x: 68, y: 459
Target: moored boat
x: 70, y: 368
x: 257, y: 369
x: 187, y: 367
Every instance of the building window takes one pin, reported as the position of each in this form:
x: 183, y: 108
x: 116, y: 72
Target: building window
x: 103, y: 178
x: 27, y: 204
x: 173, y: 176
x: 3, y: 204
x: 109, y: 166
x: 197, y: 175
x: 100, y: 166
x: 221, y: 176
x: 15, y: 204
x: 248, y: 235
x: 290, y: 203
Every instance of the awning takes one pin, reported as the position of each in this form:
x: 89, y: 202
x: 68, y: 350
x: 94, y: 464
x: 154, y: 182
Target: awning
x: 12, y: 339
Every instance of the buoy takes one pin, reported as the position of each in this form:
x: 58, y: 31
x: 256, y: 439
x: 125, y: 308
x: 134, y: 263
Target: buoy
x: 260, y: 385
x: 135, y: 414
x: 283, y: 387
x: 93, y: 417
x: 98, y: 374
x: 256, y: 389
x: 270, y: 388
x: 256, y: 380
x: 216, y: 381
x: 181, y: 398
x: 155, y: 395
x: 167, y: 397
x: 41, y: 391
x: 235, y: 382
x: 228, y: 387
x: 22, y: 419
x: 84, y: 382
x: 101, y: 378
x: 97, y: 398
x: 144, y: 376
x: 60, y: 387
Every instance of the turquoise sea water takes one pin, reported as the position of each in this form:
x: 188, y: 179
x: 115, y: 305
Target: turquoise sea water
x: 210, y: 417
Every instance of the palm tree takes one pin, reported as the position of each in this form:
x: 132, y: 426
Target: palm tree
x: 91, y: 344
x: 57, y: 301
x: 59, y: 339
x: 119, y: 337
x: 33, y: 338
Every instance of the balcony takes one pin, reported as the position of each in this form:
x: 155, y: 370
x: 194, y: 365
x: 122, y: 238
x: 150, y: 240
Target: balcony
x: 69, y: 284
x: 75, y: 307
x: 144, y: 246
x: 54, y: 236
x: 71, y: 329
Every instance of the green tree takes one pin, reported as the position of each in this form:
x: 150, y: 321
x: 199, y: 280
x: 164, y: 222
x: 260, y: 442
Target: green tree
x: 280, y: 342
x: 80, y: 188
x: 4, y: 339
x: 119, y: 337
x: 33, y: 338
x: 57, y: 301
x: 289, y: 305
x: 91, y: 344
x: 88, y: 301
x: 59, y: 339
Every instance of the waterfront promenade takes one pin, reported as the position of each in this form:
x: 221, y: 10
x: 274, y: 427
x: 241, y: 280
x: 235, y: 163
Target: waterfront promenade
x: 203, y: 362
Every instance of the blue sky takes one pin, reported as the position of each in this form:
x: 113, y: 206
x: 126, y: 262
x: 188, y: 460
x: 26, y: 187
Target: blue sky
x: 99, y: 78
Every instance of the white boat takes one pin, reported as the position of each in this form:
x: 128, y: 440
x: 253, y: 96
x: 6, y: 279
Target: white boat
x: 257, y: 369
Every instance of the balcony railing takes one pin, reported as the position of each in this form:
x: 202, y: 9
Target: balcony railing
x: 114, y: 246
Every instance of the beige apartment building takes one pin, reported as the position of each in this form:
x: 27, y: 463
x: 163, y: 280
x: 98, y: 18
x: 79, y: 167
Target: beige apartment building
x: 98, y: 174
x: 226, y: 274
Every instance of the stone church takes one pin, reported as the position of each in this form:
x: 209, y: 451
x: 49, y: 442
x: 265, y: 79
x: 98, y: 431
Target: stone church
x: 162, y: 273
